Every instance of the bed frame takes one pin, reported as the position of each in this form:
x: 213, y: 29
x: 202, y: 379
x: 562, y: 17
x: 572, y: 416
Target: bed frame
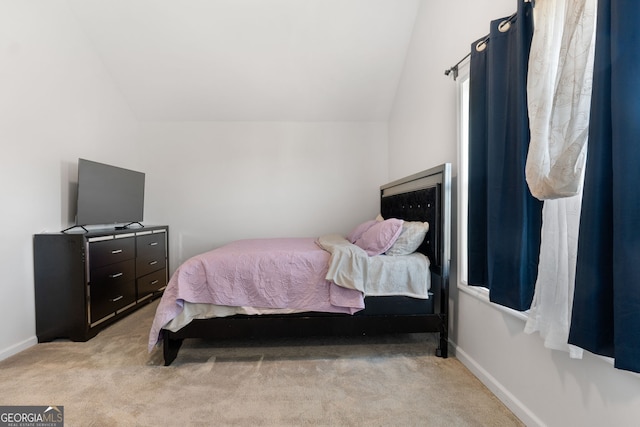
x: 425, y: 196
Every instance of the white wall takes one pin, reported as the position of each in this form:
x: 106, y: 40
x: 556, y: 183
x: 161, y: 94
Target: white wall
x: 213, y: 182
x: 541, y: 386
x: 57, y: 104
x: 422, y: 123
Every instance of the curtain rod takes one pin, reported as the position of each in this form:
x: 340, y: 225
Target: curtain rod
x: 454, y: 69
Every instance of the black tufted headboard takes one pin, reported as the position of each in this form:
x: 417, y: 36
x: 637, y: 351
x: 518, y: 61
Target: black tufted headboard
x: 419, y: 205
x: 425, y: 196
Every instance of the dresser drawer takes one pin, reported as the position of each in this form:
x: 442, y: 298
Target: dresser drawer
x: 111, y: 251
x: 151, y: 283
x: 151, y: 244
x: 113, y: 273
x: 146, y: 265
x: 106, y: 299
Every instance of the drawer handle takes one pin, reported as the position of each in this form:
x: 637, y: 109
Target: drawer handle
x: 153, y: 244
x: 116, y: 251
x: 118, y: 298
x: 153, y: 262
x: 154, y: 282
x: 115, y: 275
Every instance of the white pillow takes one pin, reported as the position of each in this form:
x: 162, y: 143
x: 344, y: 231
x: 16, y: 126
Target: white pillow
x: 410, y: 239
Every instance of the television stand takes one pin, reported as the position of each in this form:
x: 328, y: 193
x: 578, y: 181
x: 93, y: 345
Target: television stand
x: 126, y: 226
x: 86, y: 281
x: 75, y: 226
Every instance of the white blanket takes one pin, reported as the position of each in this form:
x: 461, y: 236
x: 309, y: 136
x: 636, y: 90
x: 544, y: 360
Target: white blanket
x: 382, y: 275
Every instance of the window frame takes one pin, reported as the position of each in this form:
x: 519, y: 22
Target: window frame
x: 462, y: 107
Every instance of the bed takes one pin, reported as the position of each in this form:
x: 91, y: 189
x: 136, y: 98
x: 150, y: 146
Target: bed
x: 323, y: 299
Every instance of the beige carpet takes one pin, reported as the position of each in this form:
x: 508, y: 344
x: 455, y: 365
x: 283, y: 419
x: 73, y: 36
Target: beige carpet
x: 111, y: 380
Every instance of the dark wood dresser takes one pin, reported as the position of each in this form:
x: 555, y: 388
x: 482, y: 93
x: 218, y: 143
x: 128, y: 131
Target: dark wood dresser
x: 85, y: 281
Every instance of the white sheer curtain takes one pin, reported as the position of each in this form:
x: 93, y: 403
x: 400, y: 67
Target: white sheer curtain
x: 559, y: 96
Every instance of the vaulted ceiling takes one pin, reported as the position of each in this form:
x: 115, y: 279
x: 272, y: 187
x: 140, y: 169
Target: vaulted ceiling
x: 252, y: 60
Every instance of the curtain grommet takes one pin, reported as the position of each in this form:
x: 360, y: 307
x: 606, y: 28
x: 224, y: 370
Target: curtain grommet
x: 504, y: 26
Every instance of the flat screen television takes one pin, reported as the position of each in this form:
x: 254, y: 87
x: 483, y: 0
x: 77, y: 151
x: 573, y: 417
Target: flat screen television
x: 108, y: 194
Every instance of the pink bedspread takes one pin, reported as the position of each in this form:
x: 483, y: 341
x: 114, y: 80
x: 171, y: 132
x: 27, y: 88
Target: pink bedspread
x: 264, y: 273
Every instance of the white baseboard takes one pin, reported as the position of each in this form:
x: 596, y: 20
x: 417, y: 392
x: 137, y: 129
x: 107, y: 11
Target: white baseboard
x: 17, y: 348
x: 516, y: 406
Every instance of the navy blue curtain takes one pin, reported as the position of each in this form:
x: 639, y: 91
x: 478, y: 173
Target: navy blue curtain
x: 606, y: 308
x: 504, y: 218
x: 477, y: 187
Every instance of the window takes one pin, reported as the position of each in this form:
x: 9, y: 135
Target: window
x: 463, y: 167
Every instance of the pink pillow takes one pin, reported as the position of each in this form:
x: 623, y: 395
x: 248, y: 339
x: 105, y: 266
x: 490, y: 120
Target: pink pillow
x: 359, y: 230
x: 380, y: 236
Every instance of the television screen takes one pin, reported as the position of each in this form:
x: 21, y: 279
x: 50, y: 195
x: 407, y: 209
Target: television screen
x: 108, y: 194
